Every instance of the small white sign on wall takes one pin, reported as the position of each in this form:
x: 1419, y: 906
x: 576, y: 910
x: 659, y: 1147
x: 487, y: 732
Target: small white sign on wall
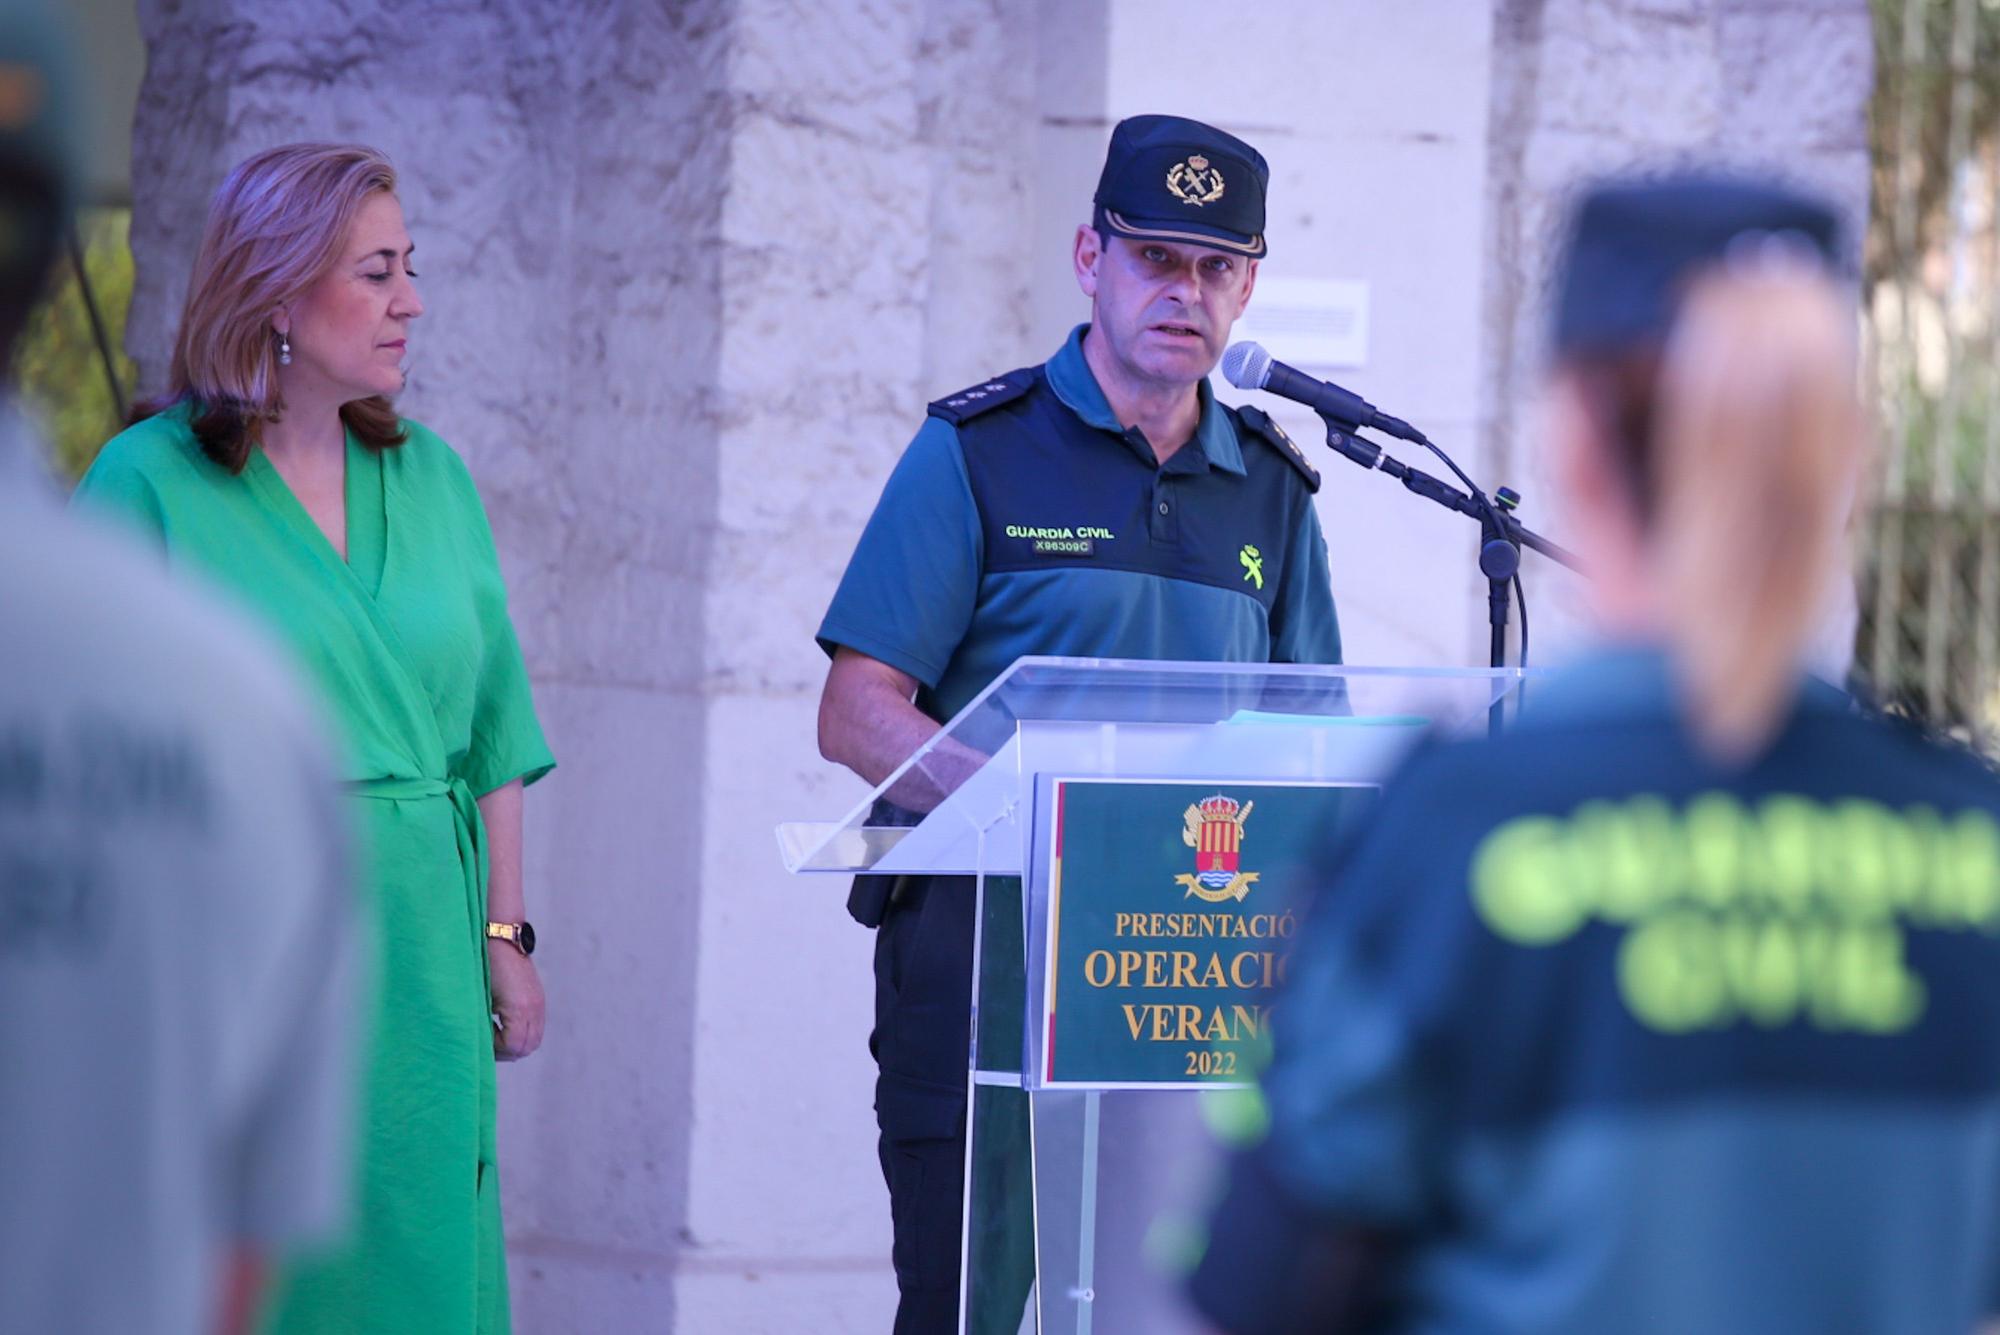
x: 1308, y: 322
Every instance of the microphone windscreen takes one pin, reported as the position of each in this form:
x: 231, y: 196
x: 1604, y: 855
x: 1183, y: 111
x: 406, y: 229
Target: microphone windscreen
x: 1246, y: 365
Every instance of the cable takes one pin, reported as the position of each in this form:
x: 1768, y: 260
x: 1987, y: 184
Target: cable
x: 1521, y: 601
x: 97, y: 329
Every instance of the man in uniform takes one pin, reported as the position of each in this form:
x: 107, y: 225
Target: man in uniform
x: 1102, y: 504
x: 178, y: 936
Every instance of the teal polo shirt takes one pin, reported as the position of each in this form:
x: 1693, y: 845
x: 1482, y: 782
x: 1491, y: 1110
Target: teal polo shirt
x: 1037, y: 523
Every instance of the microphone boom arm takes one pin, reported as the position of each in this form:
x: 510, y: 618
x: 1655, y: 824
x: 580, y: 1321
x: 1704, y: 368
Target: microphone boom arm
x: 1368, y: 454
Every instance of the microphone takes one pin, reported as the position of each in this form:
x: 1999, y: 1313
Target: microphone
x: 1247, y: 366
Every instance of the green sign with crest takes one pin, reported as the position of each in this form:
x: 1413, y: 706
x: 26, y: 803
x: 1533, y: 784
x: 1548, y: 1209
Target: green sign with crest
x: 1169, y: 915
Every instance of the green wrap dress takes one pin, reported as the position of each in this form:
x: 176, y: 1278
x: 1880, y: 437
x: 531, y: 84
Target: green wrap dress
x: 417, y: 661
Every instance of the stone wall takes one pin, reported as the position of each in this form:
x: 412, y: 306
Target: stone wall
x: 869, y: 262
x: 619, y: 485
x: 1582, y: 87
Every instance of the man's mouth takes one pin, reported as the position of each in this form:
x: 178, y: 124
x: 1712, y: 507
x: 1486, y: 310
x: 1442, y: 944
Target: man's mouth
x: 1179, y: 330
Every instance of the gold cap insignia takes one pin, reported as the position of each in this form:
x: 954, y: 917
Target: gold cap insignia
x: 1194, y: 182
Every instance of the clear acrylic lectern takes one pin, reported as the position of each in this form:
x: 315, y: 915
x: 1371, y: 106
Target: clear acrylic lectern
x: 1136, y: 832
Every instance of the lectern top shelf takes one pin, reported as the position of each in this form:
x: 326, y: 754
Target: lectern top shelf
x: 1073, y: 711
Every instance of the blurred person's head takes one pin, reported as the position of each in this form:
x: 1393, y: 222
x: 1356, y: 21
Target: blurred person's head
x: 37, y: 160
x: 1706, y: 425
x: 302, y: 293
x: 1170, y: 256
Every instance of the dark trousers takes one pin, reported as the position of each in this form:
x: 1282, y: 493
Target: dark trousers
x: 923, y: 1011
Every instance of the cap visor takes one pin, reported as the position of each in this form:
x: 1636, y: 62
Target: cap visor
x: 1187, y: 233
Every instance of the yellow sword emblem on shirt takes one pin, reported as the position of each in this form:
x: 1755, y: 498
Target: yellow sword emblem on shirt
x: 1253, y: 564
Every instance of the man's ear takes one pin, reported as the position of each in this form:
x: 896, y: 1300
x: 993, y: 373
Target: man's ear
x: 1086, y: 255
x: 1593, y: 493
x: 1577, y: 461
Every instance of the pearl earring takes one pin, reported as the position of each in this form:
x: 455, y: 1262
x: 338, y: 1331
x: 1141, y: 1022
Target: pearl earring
x: 284, y: 350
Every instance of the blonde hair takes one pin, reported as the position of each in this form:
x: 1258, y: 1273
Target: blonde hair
x: 278, y: 223
x: 1758, y: 442
x: 1742, y: 440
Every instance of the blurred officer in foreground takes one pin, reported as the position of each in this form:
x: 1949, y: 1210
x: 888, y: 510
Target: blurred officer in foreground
x: 1675, y: 1008
x: 176, y: 930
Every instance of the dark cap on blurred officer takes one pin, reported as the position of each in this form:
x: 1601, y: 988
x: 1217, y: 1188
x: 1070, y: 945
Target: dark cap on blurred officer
x: 1635, y: 247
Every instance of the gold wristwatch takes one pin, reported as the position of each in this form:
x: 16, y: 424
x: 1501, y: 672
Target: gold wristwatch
x: 521, y: 934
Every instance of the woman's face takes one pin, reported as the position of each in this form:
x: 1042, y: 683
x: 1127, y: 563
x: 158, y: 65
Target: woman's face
x: 350, y: 331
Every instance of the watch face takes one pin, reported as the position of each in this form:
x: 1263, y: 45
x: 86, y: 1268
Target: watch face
x: 527, y: 938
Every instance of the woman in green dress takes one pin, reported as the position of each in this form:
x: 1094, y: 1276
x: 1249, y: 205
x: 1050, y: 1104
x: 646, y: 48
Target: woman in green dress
x: 276, y: 466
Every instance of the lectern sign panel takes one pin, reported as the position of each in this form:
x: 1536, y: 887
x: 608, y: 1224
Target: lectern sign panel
x: 1171, y: 911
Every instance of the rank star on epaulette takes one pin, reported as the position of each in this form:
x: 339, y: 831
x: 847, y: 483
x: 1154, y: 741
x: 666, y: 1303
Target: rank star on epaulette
x: 1262, y: 424
x: 969, y: 403
x: 971, y: 395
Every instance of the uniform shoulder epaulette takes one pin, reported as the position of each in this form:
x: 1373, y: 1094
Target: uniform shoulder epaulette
x: 1272, y: 434
x: 987, y: 394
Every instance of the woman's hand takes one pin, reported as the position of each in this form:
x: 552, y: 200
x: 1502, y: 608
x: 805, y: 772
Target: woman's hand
x: 517, y: 1001
x: 518, y: 1006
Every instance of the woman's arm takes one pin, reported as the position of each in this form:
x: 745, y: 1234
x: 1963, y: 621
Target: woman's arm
x: 516, y: 986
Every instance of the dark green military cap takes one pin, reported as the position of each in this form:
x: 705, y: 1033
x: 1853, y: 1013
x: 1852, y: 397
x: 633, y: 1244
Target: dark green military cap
x: 1634, y: 244
x: 1168, y: 178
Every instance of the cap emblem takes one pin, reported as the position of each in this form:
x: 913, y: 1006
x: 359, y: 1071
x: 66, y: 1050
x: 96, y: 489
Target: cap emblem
x: 1193, y: 181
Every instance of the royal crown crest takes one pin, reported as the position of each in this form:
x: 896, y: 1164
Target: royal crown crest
x: 1215, y: 832
x: 1194, y: 182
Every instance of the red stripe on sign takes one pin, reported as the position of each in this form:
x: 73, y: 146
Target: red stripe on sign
x: 1062, y: 791
x: 1050, y: 1052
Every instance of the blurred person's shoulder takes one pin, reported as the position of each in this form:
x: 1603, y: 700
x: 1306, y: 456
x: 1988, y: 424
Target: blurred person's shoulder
x: 1934, y: 764
x: 98, y: 610
x: 169, y: 807
x: 181, y: 720
x: 1614, y: 725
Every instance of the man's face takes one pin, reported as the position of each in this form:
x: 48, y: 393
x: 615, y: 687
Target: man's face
x: 1163, y: 308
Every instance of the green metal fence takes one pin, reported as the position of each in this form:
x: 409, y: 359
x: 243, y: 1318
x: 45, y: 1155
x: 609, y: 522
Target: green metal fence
x: 1929, y: 639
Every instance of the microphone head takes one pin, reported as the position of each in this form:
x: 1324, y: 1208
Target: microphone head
x: 1246, y: 365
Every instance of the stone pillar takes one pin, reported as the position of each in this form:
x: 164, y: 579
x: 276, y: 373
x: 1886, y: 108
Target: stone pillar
x: 870, y: 260
x: 1777, y: 86
x: 692, y: 272
x: 618, y: 489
